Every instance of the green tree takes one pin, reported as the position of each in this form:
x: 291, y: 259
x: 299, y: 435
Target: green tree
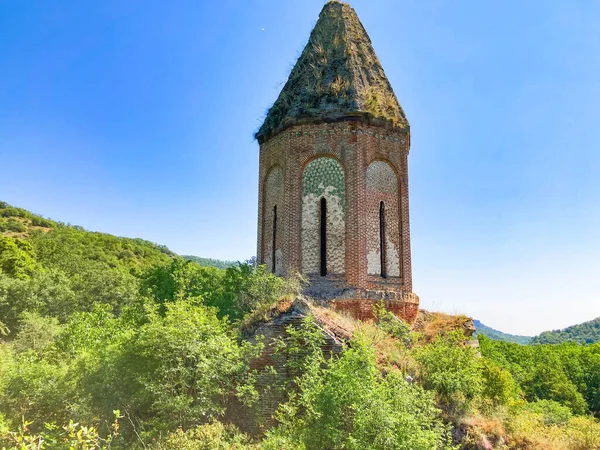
x: 235, y: 291
x: 37, y: 389
x: 16, y: 257
x: 36, y: 333
x: 163, y: 371
x: 452, y: 370
x: 213, y: 436
x: 348, y: 403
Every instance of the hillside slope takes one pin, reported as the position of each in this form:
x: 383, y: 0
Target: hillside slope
x: 59, y: 243
x: 210, y: 262
x: 584, y: 333
x: 52, y: 269
x: 499, y: 335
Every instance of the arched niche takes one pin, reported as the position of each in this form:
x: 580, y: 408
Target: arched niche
x: 383, y: 233
x: 273, y: 218
x: 323, y: 240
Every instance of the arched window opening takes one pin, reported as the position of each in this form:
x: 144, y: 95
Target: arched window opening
x: 274, y: 246
x: 323, y: 237
x: 382, y: 246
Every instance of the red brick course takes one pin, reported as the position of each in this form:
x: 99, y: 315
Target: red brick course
x: 355, y: 145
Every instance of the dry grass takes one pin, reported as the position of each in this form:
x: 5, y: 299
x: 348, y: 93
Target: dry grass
x: 341, y: 325
x: 523, y: 430
x: 391, y: 353
x: 527, y: 431
x: 429, y: 325
x: 266, y: 314
x: 26, y: 223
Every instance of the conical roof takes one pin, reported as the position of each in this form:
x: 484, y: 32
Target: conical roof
x: 338, y: 75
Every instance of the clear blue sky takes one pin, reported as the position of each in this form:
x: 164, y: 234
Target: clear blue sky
x: 136, y: 118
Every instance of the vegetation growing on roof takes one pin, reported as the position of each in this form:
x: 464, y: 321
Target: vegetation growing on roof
x: 337, y: 75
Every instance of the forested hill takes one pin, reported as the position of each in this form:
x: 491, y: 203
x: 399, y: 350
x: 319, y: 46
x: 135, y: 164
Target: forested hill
x: 584, y: 333
x: 53, y: 269
x: 499, y: 335
x: 65, y: 245
x: 210, y: 262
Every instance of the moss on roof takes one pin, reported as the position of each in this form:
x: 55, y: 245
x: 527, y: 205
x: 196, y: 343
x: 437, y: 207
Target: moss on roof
x: 338, y: 75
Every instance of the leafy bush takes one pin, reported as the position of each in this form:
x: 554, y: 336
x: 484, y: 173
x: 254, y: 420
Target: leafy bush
x: 391, y: 324
x: 36, y: 333
x: 16, y: 257
x: 36, y: 389
x: 13, y: 225
x: 213, y: 436
x: 51, y: 293
x: 184, y: 364
x: 498, y: 384
x: 553, y: 412
x: 348, y: 403
x: 69, y: 437
x: 235, y: 291
x: 452, y: 370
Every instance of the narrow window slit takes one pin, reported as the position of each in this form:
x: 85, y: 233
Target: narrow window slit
x: 382, y: 246
x: 274, y: 246
x: 323, y: 237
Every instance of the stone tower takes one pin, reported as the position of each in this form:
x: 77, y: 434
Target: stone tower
x: 333, y: 186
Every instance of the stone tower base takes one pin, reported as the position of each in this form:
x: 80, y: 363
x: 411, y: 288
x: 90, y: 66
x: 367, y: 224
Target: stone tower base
x: 358, y: 303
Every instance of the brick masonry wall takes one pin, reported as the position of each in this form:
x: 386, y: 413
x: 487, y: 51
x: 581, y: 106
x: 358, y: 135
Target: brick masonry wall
x: 356, y: 146
x: 406, y: 309
x: 273, y: 209
x: 262, y: 417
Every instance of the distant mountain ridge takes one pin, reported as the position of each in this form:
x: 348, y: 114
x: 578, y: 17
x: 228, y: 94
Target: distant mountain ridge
x: 584, y: 333
x: 210, y: 262
x: 499, y: 335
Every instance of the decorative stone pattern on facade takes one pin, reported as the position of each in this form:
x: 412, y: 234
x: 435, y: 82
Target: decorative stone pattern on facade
x: 323, y: 178
x: 345, y: 130
x: 382, y: 187
x: 273, y: 211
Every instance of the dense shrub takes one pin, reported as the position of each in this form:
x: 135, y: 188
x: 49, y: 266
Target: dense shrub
x: 68, y: 437
x: 348, y: 403
x: 553, y: 412
x: 17, y: 258
x: 391, y: 324
x: 452, y: 370
x: 213, y: 436
x: 235, y: 291
x: 499, y: 386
